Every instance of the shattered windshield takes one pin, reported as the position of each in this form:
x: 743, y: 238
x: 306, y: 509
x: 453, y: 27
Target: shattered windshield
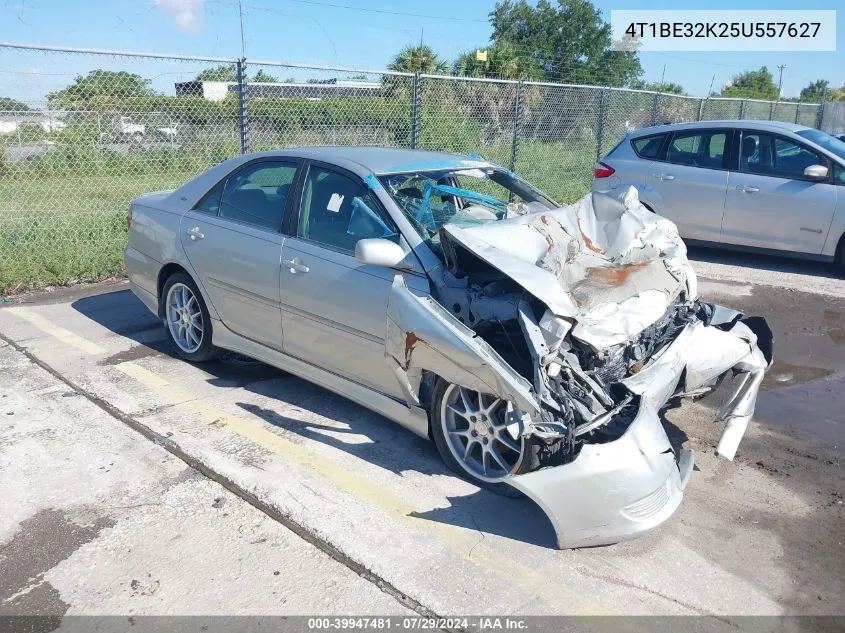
x: 463, y: 197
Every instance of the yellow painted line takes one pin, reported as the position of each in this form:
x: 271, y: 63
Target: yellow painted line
x: 56, y: 331
x: 459, y: 540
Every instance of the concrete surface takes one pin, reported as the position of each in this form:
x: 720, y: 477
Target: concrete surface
x: 761, y: 535
x: 765, y: 270
x: 96, y: 520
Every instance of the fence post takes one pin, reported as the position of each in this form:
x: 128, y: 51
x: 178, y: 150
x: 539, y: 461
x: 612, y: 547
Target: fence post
x: 415, y: 111
x: 700, y: 109
x: 820, y: 115
x: 655, y: 106
x: 600, y: 126
x: 18, y: 129
x: 797, y: 111
x: 517, y: 124
x: 771, y: 110
x: 743, y: 111
x: 243, y: 119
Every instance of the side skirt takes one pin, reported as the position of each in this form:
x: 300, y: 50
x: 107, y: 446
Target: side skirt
x: 757, y: 250
x: 415, y: 419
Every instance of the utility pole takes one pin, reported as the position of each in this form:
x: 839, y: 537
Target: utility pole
x: 663, y: 75
x: 710, y: 90
x: 780, y: 78
x: 241, y: 16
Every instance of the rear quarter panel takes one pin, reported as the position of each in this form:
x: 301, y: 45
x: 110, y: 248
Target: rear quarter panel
x: 153, y: 241
x: 633, y: 171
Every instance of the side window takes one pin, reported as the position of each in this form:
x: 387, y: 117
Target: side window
x: 791, y: 159
x: 337, y: 211
x: 210, y: 202
x: 698, y: 149
x: 771, y: 155
x: 838, y: 174
x: 649, y: 146
x: 257, y: 194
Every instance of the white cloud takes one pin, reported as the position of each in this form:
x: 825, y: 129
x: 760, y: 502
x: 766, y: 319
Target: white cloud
x: 186, y: 13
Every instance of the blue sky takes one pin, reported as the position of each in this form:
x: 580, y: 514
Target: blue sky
x: 367, y: 35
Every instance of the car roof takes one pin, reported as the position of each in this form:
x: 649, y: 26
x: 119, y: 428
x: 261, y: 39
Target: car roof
x: 380, y: 160
x: 756, y: 124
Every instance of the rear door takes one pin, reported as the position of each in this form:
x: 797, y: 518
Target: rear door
x: 770, y: 203
x: 335, y: 308
x: 233, y: 240
x: 691, y: 181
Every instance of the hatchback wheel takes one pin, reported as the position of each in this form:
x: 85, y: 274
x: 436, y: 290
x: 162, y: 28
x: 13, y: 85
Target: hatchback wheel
x: 470, y: 431
x: 186, y: 319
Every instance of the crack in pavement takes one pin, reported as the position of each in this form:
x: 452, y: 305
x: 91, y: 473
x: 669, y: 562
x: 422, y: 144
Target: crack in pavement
x: 249, y: 497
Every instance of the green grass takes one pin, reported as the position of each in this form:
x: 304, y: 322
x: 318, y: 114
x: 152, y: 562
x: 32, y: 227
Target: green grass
x: 63, y: 217
x: 62, y: 229
x: 561, y: 170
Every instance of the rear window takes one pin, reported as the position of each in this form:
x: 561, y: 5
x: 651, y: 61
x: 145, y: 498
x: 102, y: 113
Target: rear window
x: 704, y: 148
x: 649, y: 146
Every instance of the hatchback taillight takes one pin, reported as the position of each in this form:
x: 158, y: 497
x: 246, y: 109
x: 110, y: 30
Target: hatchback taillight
x: 129, y: 218
x: 603, y: 170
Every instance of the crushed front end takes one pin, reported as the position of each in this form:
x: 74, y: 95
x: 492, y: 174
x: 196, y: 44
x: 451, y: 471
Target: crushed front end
x: 585, y: 320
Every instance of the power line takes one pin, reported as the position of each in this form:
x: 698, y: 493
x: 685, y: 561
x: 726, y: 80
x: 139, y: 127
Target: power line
x: 348, y: 7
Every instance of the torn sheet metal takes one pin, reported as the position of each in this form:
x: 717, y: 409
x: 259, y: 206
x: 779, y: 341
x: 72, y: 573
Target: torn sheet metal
x: 421, y: 335
x: 610, y: 264
x: 603, y: 302
x: 619, y: 490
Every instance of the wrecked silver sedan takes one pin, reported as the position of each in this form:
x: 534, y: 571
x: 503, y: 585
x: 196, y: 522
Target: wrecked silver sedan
x: 534, y: 344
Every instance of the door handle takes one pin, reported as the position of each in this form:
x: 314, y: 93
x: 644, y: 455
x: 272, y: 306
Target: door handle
x: 195, y: 233
x: 295, y: 265
x: 664, y: 177
x: 746, y: 189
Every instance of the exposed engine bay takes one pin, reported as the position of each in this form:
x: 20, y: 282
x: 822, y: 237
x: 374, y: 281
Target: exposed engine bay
x: 562, y: 308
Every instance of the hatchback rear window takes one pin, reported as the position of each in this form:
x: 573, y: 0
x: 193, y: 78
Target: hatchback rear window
x: 649, y: 146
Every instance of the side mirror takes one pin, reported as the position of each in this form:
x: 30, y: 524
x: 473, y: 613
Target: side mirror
x: 816, y: 172
x: 377, y: 251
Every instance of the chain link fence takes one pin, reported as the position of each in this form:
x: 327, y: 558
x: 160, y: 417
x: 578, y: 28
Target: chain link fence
x: 84, y: 132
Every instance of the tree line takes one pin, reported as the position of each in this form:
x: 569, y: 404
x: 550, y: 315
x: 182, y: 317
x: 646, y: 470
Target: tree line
x: 563, y: 42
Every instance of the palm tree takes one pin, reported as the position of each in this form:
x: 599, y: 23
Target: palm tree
x: 503, y: 62
x: 419, y: 59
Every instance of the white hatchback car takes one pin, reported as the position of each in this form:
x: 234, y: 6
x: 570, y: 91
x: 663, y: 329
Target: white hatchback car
x: 756, y: 185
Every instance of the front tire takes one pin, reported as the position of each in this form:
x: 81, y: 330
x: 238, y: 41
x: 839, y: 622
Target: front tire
x: 470, y: 432
x: 186, y: 319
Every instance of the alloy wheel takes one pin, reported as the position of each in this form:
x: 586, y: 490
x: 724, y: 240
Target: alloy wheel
x: 476, y: 430
x: 184, y: 318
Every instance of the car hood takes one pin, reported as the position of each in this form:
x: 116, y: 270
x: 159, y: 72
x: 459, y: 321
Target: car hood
x: 607, y: 264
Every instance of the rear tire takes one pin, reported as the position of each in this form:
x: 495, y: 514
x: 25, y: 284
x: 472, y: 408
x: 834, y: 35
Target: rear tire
x: 186, y: 319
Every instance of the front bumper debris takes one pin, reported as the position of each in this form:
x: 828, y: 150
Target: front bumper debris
x: 622, y: 489
x: 586, y: 320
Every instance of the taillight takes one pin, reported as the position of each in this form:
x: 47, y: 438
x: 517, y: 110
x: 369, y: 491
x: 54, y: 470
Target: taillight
x: 129, y: 218
x: 603, y: 170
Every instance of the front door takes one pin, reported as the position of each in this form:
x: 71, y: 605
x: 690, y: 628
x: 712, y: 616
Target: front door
x: 335, y: 308
x: 233, y: 241
x: 770, y: 203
